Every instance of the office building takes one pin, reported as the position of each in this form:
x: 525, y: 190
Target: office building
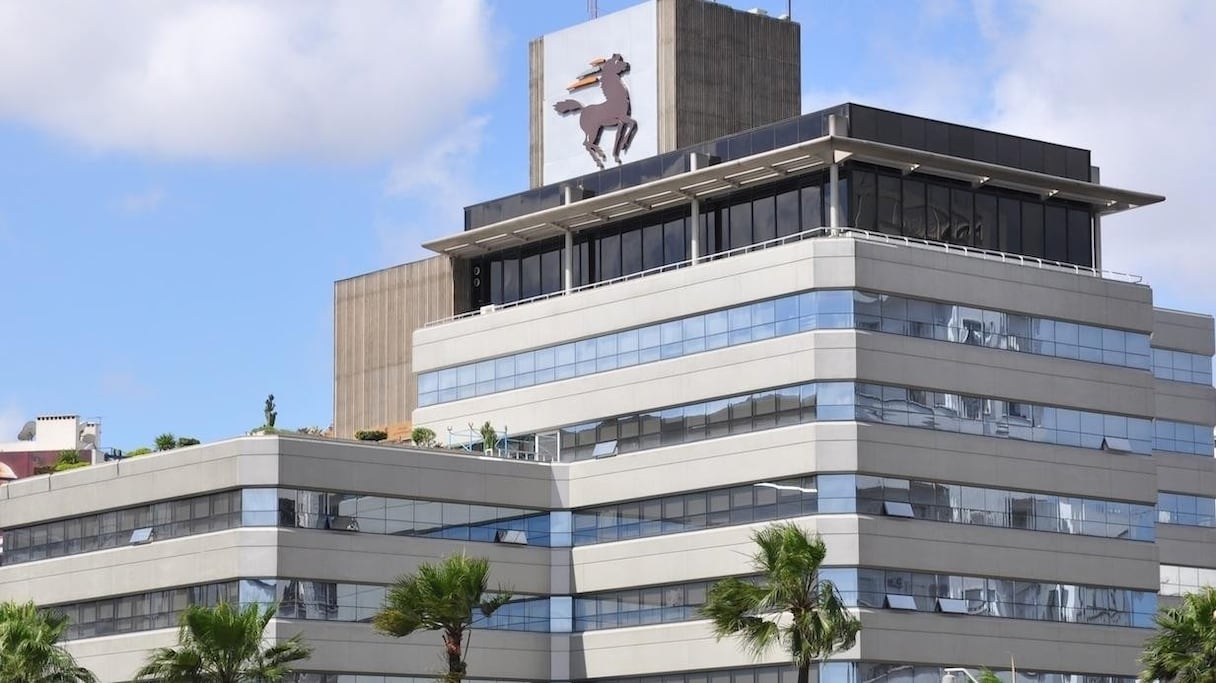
x: 895, y: 332
x: 692, y: 71
x: 1007, y: 449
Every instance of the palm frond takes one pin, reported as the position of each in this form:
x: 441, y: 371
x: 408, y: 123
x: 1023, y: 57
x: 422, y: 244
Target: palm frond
x: 788, y: 559
x: 224, y: 643
x: 30, y: 649
x: 445, y: 597
x: 1184, y: 647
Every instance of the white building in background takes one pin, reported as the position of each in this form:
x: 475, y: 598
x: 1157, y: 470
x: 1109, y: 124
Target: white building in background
x: 42, y: 439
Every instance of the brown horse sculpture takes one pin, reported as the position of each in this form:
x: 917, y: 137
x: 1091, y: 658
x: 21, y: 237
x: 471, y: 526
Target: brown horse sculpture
x: 615, y: 110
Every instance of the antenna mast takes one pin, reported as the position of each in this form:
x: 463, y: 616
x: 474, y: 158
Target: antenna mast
x: 593, y: 9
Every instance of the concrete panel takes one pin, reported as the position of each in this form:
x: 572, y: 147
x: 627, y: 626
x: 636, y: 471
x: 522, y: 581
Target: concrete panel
x: 253, y: 461
x: 893, y: 636
x: 771, y: 454
x: 373, y: 558
x: 249, y: 461
x: 1005, y: 463
x: 342, y: 647
x: 115, y: 659
x: 931, y: 273
x: 1025, y: 377
x: 644, y: 650
x: 1189, y: 546
x: 413, y: 473
x: 823, y: 355
x: 1193, y: 474
x: 1183, y: 331
x: 217, y: 556
x: 968, y: 550
x: 356, y: 648
x: 706, y: 554
x: 1184, y: 402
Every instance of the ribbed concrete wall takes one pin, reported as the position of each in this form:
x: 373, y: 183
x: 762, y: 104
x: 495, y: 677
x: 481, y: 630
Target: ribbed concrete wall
x: 536, y: 103
x: 730, y: 71
x: 375, y: 316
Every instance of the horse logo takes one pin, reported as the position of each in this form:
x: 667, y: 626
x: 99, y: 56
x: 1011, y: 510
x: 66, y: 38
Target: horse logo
x: 615, y: 110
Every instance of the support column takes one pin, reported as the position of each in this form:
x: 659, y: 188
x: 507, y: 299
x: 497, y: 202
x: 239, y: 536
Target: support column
x: 1095, y: 176
x: 833, y: 179
x: 694, y: 232
x: 568, y: 254
x: 568, y: 263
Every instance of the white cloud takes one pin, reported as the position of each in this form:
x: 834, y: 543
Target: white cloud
x: 141, y: 202
x: 257, y: 80
x: 440, y: 170
x: 438, y: 181
x: 1131, y: 81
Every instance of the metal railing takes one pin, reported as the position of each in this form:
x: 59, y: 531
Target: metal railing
x: 531, y: 447
x: 854, y: 233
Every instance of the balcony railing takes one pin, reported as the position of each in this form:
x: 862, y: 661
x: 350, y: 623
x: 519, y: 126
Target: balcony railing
x: 852, y: 233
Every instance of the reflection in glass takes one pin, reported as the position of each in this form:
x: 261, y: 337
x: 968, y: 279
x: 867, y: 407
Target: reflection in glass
x: 806, y: 311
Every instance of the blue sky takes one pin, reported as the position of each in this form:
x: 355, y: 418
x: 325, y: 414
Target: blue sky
x: 181, y: 184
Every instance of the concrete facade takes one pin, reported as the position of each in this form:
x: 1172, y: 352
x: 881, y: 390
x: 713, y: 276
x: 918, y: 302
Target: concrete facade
x: 344, y: 646
x: 374, y: 315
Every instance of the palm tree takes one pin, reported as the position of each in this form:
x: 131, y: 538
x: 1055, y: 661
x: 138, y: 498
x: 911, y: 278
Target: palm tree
x: 788, y: 561
x: 441, y: 597
x: 29, y: 647
x: 1184, y: 648
x: 224, y: 644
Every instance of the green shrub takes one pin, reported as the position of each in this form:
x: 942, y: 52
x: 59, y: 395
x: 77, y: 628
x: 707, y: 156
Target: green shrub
x: 142, y: 450
x: 166, y: 442
x: 65, y: 466
x: 421, y: 436
x: 68, y: 457
x: 489, y: 436
x: 184, y: 441
x: 371, y: 435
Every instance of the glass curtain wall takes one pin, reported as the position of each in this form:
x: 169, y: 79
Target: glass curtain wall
x: 942, y: 210
x: 655, y: 240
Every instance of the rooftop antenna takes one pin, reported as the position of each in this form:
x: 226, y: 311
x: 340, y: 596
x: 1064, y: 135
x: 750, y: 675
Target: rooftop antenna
x: 593, y: 9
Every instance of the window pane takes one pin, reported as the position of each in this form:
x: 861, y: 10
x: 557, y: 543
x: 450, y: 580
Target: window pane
x: 787, y: 214
x: 675, y: 247
x: 812, y: 208
x: 740, y: 225
x: 1010, y: 225
x: 914, y: 208
x: 764, y: 220
x: 1032, y: 229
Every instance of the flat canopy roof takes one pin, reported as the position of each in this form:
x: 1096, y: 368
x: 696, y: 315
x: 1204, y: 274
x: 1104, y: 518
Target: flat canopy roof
x: 803, y: 157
